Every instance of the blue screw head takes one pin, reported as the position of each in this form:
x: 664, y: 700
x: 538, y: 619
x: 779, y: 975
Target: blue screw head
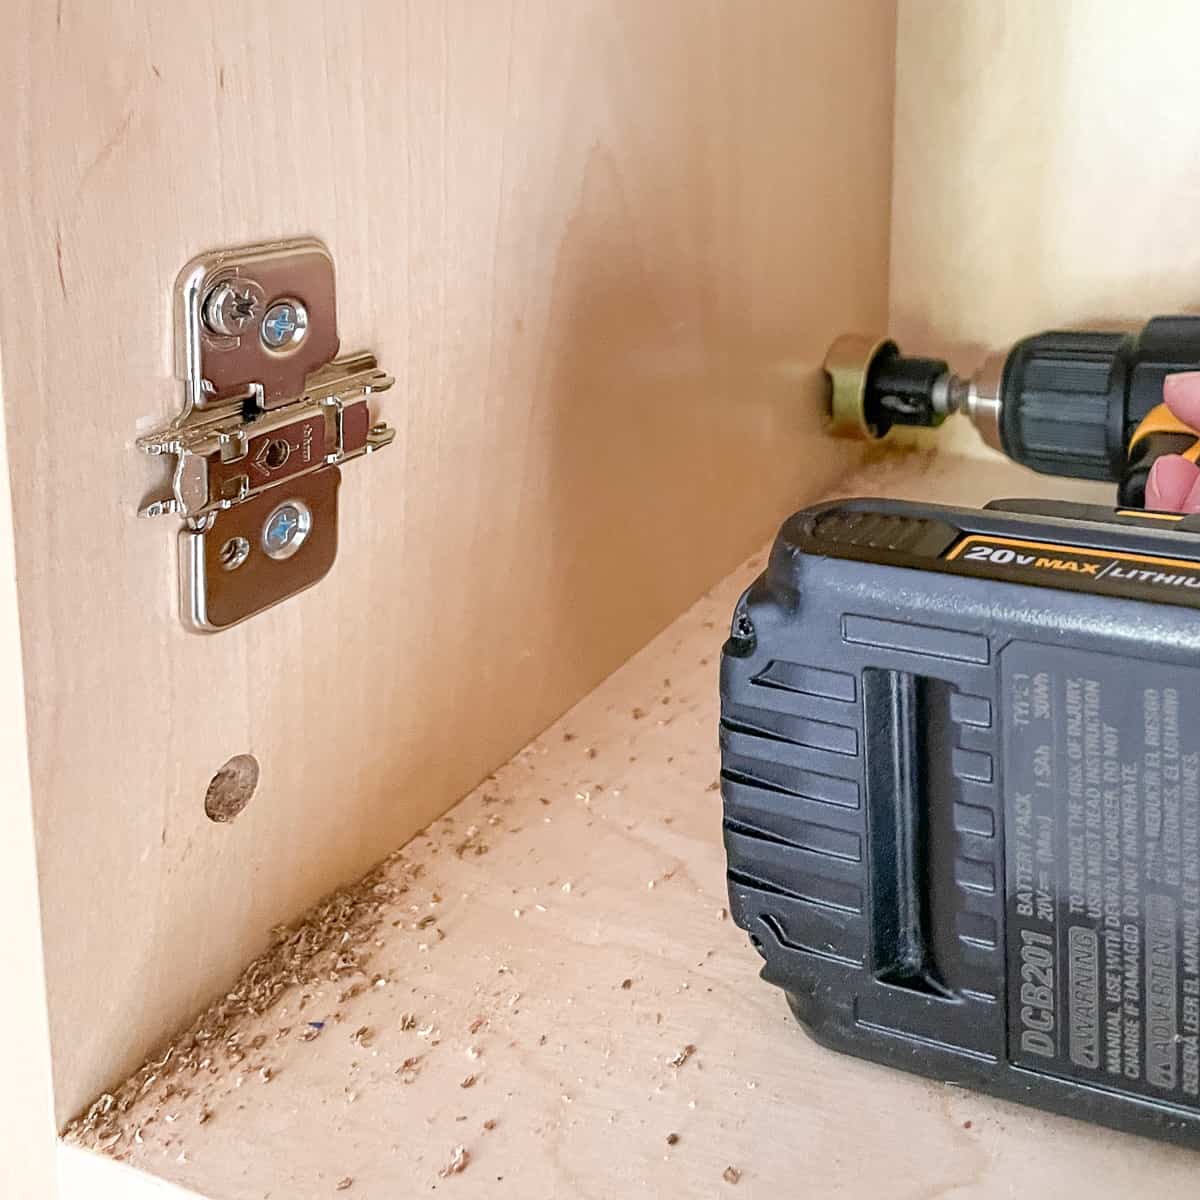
x: 284, y: 324
x: 286, y: 528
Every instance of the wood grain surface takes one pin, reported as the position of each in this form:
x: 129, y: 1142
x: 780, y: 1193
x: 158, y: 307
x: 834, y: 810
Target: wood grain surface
x: 573, y: 1008
x: 1047, y: 171
x: 602, y: 247
x: 27, y: 1149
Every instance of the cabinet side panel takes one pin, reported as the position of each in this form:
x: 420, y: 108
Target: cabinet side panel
x: 27, y: 1142
x: 602, y: 247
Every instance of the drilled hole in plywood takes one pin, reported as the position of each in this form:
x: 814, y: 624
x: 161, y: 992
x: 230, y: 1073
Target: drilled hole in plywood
x: 230, y: 789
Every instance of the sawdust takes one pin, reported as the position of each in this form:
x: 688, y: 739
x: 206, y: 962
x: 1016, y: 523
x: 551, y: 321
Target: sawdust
x: 682, y: 1056
x: 458, y: 1163
x: 331, y: 942
x: 410, y: 1068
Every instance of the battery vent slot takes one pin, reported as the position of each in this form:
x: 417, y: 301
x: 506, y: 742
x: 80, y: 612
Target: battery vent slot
x: 870, y: 530
x: 902, y: 942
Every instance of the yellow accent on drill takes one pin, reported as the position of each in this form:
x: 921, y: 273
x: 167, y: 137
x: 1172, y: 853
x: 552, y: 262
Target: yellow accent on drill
x: 1161, y: 419
x: 1145, y: 515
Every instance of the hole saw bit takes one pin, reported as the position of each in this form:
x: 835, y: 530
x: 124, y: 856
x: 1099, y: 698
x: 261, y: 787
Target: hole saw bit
x: 1081, y: 404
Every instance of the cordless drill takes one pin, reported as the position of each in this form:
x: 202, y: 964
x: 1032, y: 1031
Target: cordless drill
x: 1085, y: 405
x: 960, y: 747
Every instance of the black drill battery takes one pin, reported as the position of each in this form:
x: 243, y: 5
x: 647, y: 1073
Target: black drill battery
x: 960, y: 764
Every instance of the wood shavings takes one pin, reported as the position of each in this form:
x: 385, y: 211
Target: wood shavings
x: 407, y: 1021
x: 363, y: 1036
x: 489, y: 1124
x: 344, y: 1184
x: 410, y: 1068
x: 459, y: 1160
x: 682, y: 1056
x: 471, y: 843
x: 731, y: 1175
x: 266, y: 1074
x: 469, y: 1082
x: 476, y: 1025
x: 332, y: 941
x: 626, y: 984
x: 473, y: 1052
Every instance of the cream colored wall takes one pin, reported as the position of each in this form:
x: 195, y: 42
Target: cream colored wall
x: 602, y: 247
x: 1047, y: 169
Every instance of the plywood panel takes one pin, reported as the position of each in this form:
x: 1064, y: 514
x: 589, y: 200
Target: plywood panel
x: 602, y: 246
x: 1047, y: 169
x: 27, y: 1152
x: 83, y: 1175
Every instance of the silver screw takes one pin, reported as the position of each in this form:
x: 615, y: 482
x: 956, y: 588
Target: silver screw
x: 234, y: 552
x: 286, y: 528
x: 284, y: 324
x: 232, y: 306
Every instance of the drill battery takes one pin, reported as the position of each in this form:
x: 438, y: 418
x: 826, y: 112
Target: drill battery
x: 961, y: 782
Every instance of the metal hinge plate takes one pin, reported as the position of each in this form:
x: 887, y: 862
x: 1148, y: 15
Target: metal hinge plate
x: 269, y: 415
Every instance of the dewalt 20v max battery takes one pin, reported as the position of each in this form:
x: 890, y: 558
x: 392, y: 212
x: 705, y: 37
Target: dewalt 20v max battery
x: 961, y: 782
